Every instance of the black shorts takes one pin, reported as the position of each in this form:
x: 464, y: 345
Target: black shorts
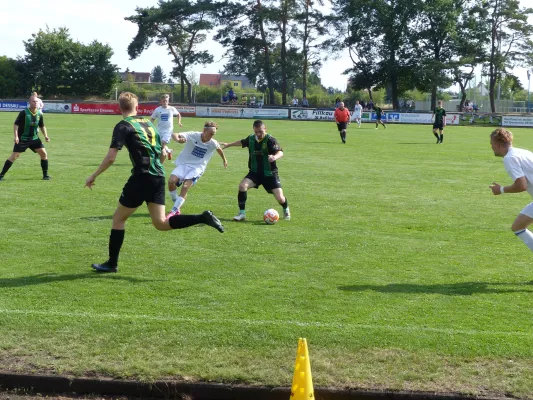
x: 342, y: 126
x: 21, y: 147
x: 141, y: 188
x: 438, y: 126
x: 268, y: 182
x: 378, y: 117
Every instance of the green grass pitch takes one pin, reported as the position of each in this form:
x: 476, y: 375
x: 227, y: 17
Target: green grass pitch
x: 398, y: 266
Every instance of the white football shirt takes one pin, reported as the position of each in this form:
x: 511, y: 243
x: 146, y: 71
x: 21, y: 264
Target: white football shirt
x: 165, y: 119
x: 518, y: 163
x: 195, y: 151
x: 357, y: 110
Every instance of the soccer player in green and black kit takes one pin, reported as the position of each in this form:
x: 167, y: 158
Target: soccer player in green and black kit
x: 379, y: 114
x: 263, y: 151
x: 26, y: 135
x: 439, y: 122
x: 147, y: 182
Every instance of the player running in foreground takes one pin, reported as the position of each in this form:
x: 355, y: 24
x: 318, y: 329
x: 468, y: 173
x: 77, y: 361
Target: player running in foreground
x: 263, y: 150
x: 164, y: 115
x: 146, y: 184
x: 519, y: 166
x: 192, y: 162
x: 342, y: 119
x: 439, y: 121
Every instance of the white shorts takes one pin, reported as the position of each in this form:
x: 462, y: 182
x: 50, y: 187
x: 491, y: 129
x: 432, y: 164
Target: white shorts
x: 356, y: 116
x: 165, y: 137
x: 528, y: 210
x: 185, y: 172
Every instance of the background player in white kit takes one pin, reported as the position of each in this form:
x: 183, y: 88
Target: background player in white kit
x: 519, y: 166
x: 165, y: 124
x: 357, y: 110
x: 192, y: 162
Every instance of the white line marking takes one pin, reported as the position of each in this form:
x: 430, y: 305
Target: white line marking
x: 341, y: 326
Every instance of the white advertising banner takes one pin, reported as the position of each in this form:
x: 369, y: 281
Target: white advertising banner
x: 415, y: 118
x: 242, y: 112
x: 57, y: 107
x: 516, y: 120
x: 312, y: 114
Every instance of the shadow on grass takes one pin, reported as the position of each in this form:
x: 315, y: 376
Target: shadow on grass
x: 103, y: 217
x: 51, y: 277
x: 451, y: 289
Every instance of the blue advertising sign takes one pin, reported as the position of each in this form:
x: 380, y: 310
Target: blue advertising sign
x: 393, y: 117
x: 13, y: 105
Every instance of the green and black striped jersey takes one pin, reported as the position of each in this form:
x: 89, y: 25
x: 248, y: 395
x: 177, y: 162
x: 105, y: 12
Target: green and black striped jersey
x: 440, y: 113
x: 28, y: 124
x: 142, y: 140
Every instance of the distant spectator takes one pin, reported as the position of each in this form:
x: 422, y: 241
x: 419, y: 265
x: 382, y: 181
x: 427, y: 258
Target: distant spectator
x: 252, y: 101
x: 244, y: 100
x: 295, y: 102
x: 225, y: 98
x: 305, y: 102
x: 260, y: 101
x: 370, y: 105
x: 337, y: 102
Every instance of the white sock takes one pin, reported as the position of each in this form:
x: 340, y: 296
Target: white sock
x: 178, y: 203
x: 174, y: 195
x: 526, y: 236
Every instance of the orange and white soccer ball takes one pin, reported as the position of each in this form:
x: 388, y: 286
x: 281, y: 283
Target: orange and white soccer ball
x: 271, y: 216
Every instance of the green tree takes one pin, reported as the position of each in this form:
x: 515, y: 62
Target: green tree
x: 55, y: 64
x: 157, y: 75
x: 510, y: 40
x: 436, y: 32
x: 9, y: 78
x: 388, y: 25
x: 179, y: 25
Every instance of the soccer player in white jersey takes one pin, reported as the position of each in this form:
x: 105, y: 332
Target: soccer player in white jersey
x: 357, y: 110
x: 519, y: 166
x: 192, y: 162
x: 165, y: 123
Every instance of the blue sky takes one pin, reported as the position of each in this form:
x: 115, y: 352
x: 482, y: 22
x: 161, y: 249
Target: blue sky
x: 103, y: 20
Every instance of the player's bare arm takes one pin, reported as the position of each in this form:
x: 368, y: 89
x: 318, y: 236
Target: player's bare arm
x: 223, y: 156
x: 15, y: 132
x: 274, y: 157
x: 45, y: 133
x: 179, y: 118
x: 518, y: 186
x: 226, y: 145
x: 179, y: 138
x: 108, y: 160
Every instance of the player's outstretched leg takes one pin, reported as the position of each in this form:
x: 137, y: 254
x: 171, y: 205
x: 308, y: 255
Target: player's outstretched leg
x: 209, y: 218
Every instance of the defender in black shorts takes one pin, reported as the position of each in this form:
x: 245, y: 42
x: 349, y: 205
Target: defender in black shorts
x: 26, y: 132
x: 147, y: 182
x: 439, y: 122
x: 263, y: 151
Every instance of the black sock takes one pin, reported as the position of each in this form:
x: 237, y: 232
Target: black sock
x: 44, y: 166
x: 7, y: 165
x: 441, y: 137
x: 184, y: 221
x: 286, y: 204
x: 115, y: 243
x: 436, y: 135
x: 242, y: 196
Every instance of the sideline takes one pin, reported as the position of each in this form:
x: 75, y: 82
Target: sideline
x: 50, y: 384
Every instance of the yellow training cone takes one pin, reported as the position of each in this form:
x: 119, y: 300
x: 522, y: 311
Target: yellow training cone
x: 302, y: 382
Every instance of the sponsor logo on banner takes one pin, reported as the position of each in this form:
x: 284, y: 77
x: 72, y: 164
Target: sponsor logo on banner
x: 13, y: 105
x: 452, y: 119
x: 392, y: 117
x: 312, y: 114
x: 146, y: 109
x: 241, y: 112
x: 187, y: 111
x: 57, y: 107
x: 87, y: 108
x: 515, y: 120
